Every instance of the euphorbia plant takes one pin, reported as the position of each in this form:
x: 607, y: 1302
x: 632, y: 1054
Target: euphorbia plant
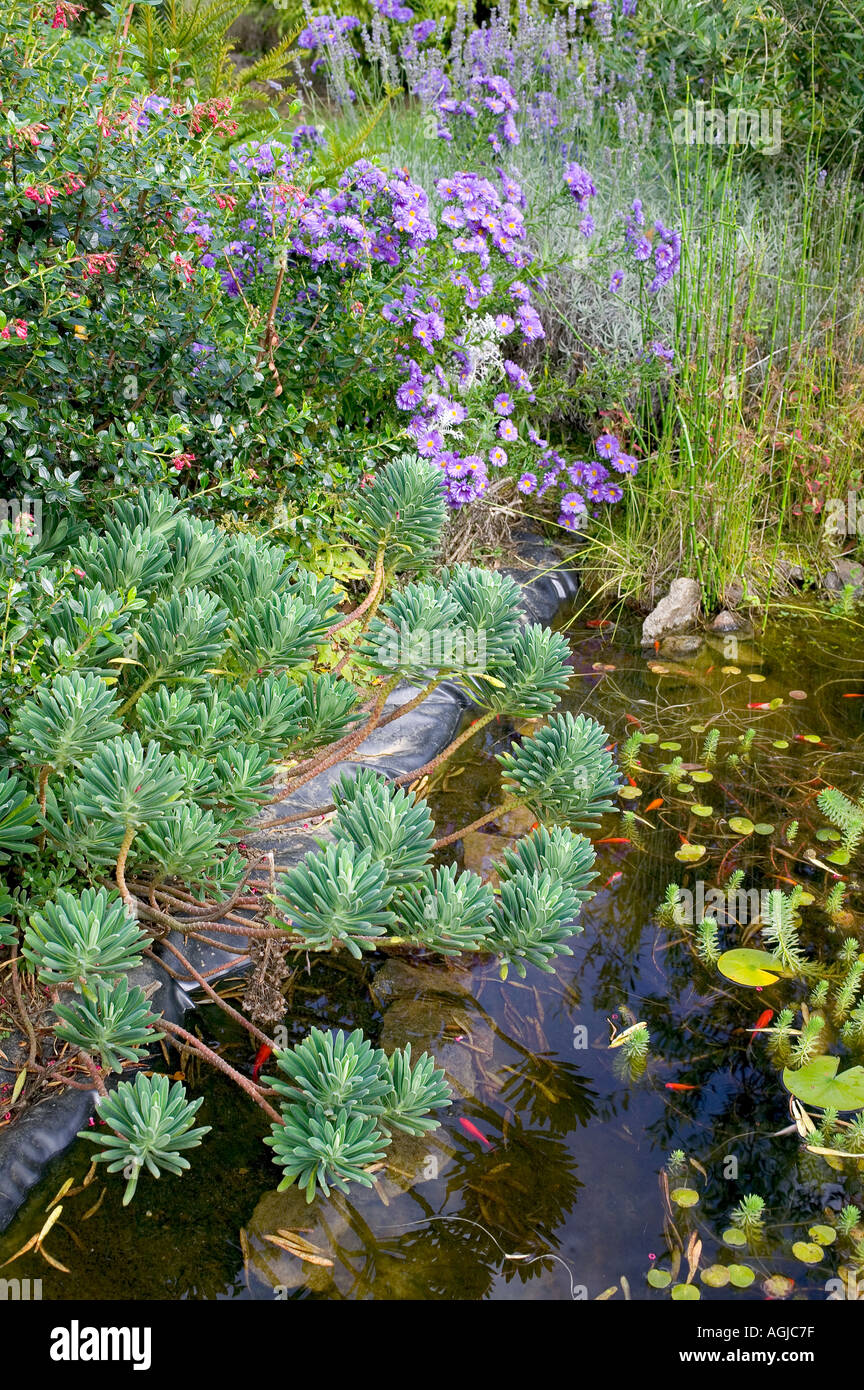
x: 174, y: 693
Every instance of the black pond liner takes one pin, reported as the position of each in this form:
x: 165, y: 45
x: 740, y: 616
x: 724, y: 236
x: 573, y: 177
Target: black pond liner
x: 43, y: 1133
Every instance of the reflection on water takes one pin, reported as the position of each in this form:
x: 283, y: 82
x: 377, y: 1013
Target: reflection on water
x: 543, y: 1179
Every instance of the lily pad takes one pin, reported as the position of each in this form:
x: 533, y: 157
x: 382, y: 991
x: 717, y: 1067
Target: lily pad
x: 828, y: 835
x: 659, y: 1278
x: 777, y: 1286
x: 686, y: 1293
x: 741, y: 1276
x: 762, y: 827
x: 701, y: 777
x: 685, y: 787
x: 699, y: 809
x: 755, y: 677
x: 808, y: 1252
x: 629, y: 793
x: 684, y: 1196
x: 741, y: 825
x: 780, y: 743
x: 747, y: 966
x: 734, y: 1236
x: 823, y: 1235
x: 731, y: 670
x: 818, y: 1084
x: 716, y: 1276
x: 650, y: 738
x: 673, y: 747
x: 689, y: 854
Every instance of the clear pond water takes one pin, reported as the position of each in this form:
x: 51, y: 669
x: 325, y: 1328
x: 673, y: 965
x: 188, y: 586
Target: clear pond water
x: 553, y: 1148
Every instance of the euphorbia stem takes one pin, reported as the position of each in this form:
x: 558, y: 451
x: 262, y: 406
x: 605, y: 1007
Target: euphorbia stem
x: 120, y: 869
x: 215, y: 1060
x: 473, y: 728
x: 475, y: 824
x: 377, y: 581
x: 295, y: 784
x: 217, y: 999
x: 94, y: 1072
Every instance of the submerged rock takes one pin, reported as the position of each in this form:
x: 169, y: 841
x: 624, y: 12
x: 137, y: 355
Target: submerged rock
x: 683, y: 645
x: 677, y: 611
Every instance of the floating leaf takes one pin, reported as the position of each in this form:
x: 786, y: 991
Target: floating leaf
x: 684, y: 1196
x: 734, y: 1236
x: 823, y: 1235
x: 699, y: 809
x: 777, y: 1286
x: 780, y: 743
x: 701, y: 777
x: 689, y: 854
x: 731, y: 670
x: 818, y: 1084
x: 685, y: 787
x: 629, y: 793
x: 808, y: 1252
x: 839, y: 856
x: 741, y: 825
x: 741, y: 1276
x: 762, y: 827
x: 828, y: 834
x: 746, y: 966
x: 673, y: 747
x: 686, y: 1293
x: 650, y: 738
x: 659, y: 1278
x: 797, y: 694
x: 716, y: 1276
x: 810, y: 738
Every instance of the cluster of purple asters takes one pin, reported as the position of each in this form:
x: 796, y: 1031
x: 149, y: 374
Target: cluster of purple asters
x: 592, y: 478
x: 372, y: 216
x: 582, y: 187
x: 490, y: 93
x: 664, y: 245
x: 481, y: 218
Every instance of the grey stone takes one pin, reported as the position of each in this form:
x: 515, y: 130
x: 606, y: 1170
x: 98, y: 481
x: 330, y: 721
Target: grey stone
x: 726, y: 622
x: 844, y: 573
x: 399, y: 979
x: 674, y: 613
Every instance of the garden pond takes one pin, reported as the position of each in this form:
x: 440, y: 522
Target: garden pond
x: 549, y: 1177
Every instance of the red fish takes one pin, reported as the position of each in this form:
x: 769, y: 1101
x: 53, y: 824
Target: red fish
x: 763, y: 1020
x: 264, y: 1051
x: 614, y: 879
x: 631, y: 719
x: 763, y: 704
x: 653, y: 805
x: 613, y: 840
x: 597, y: 622
x: 680, y: 1086
x: 472, y: 1129
x: 853, y: 695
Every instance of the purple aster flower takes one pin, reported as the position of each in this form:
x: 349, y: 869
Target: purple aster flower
x: 625, y: 463
x: 504, y: 324
x: 429, y: 329
x: 507, y: 430
x: 429, y: 443
x: 572, y: 503
x: 616, y: 281
x: 607, y: 446
x: 580, y: 185
x: 409, y: 395
x: 642, y: 249
x: 612, y: 492
x: 498, y: 456
x: 527, y: 482
x: 503, y: 403
x: 659, y: 349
